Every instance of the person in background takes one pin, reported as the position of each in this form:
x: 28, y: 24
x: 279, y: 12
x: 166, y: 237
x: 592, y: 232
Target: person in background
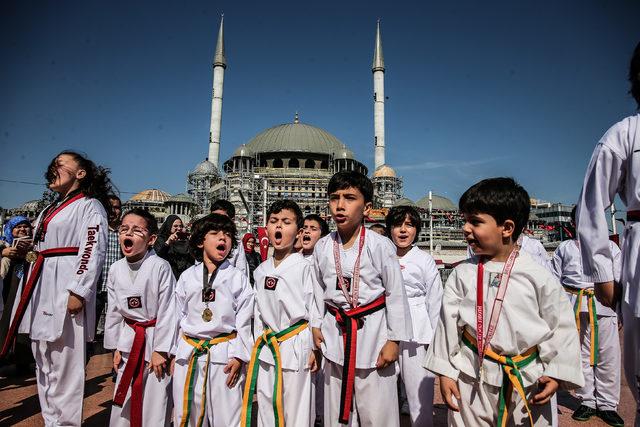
x: 313, y: 229
x: 173, y: 245
x: 253, y: 258
x: 237, y: 258
x: 378, y: 228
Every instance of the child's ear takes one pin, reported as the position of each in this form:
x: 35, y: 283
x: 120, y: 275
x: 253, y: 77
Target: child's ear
x: 367, y: 208
x: 508, y: 227
x: 152, y: 240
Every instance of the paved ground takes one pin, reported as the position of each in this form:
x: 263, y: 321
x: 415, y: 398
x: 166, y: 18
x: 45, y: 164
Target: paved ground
x: 19, y: 401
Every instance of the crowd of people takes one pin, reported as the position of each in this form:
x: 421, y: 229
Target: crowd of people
x: 318, y: 332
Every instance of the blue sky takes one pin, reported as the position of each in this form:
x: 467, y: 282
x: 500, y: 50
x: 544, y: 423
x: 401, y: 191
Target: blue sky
x: 523, y: 89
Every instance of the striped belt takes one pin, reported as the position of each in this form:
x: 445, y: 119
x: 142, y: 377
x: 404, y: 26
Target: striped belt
x: 272, y: 340
x: 200, y: 347
x: 348, y: 320
x: 30, y: 283
x: 593, y: 319
x: 511, y: 378
x: 133, y: 374
x: 633, y: 216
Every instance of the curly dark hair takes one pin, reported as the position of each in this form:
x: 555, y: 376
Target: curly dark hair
x: 211, y: 222
x: 150, y: 220
x: 634, y: 75
x: 397, y: 215
x: 96, y: 183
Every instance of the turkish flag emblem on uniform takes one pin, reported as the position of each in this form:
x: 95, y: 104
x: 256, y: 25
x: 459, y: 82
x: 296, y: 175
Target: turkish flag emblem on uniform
x: 264, y: 242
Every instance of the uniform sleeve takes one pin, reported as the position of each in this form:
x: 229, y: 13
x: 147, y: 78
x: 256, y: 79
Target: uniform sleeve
x: 434, y: 293
x: 318, y: 307
x: 91, y: 255
x: 113, y: 322
x: 604, y: 178
x: 556, y: 263
x: 241, y: 346
x: 617, y: 262
x: 179, y: 310
x: 560, y: 352
x: 241, y: 262
x: 542, y: 255
x: 399, y: 326
x: 164, y: 334
x: 446, y: 340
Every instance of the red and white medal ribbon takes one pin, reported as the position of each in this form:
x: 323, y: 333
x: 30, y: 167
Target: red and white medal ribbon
x: 352, y: 299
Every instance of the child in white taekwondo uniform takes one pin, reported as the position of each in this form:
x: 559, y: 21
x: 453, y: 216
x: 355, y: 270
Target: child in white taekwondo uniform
x: 313, y: 229
x: 283, y: 356
x: 364, y: 312
x: 598, y: 328
x: 56, y: 304
x: 237, y: 257
x: 615, y: 170
x: 503, y: 373
x: 214, y: 304
x: 140, y: 325
x: 424, y: 291
x: 531, y: 246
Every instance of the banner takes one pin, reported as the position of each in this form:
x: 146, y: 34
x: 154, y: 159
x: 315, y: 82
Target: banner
x: 264, y: 242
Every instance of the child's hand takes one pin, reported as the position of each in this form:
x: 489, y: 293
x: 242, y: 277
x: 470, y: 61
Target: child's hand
x: 315, y: 357
x: 388, y: 354
x: 117, y: 358
x: 233, y: 370
x: 172, y: 366
x: 317, y: 337
x: 74, y: 303
x: 547, y: 386
x: 448, y: 388
x: 158, y: 364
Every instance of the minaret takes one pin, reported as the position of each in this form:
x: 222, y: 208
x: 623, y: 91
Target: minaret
x: 378, y: 99
x: 219, y: 65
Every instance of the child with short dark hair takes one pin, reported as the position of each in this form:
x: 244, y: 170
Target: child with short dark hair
x: 214, y: 302
x: 313, y: 229
x: 363, y: 310
x: 378, y: 228
x: 237, y: 258
x: 139, y: 325
x: 530, y: 345
x: 424, y: 291
x: 281, y: 376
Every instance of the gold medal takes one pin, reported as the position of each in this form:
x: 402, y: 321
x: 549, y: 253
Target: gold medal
x: 207, y: 315
x: 31, y: 256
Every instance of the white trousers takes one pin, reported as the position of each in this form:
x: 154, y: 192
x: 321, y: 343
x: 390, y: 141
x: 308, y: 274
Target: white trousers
x: 418, y: 382
x: 60, y: 372
x: 375, y: 397
x: 298, y: 403
x: 479, y: 406
x: 156, y: 404
x: 223, y: 404
x: 632, y: 355
x: 601, y: 383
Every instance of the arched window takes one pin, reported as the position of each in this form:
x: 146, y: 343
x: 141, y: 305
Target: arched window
x: 309, y: 164
x: 294, y: 163
x: 277, y: 163
x: 324, y: 164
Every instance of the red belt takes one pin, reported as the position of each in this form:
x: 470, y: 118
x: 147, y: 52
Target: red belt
x: 633, y: 216
x: 133, y: 372
x: 27, y: 292
x: 348, y: 322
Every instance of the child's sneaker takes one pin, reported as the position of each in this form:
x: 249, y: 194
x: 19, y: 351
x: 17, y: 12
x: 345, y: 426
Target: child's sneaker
x: 611, y: 417
x: 583, y: 413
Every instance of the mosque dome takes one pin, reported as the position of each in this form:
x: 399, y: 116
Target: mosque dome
x: 243, y: 151
x: 205, y: 167
x: 384, y: 171
x: 298, y: 138
x: 152, y: 195
x: 404, y: 202
x: 181, y: 198
x: 438, y: 202
x: 31, y: 205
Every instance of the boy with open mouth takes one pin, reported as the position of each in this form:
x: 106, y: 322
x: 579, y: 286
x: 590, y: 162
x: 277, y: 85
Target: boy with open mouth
x: 214, y: 303
x: 139, y: 325
x: 283, y: 354
x: 313, y: 229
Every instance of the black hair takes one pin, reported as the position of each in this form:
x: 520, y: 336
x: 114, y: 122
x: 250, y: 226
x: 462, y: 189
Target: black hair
x: 351, y: 179
x: 573, y: 214
x: 398, y: 214
x: 634, y: 75
x: 280, y: 205
x: 324, y: 227
x: 224, y: 205
x: 502, y: 198
x: 96, y: 183
x: 211, y: 222
x: 379, y: 226
x: 112, y: 196
x: 152, y: 222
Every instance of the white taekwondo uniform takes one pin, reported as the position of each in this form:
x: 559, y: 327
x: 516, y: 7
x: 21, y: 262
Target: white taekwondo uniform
x: 238, y: 259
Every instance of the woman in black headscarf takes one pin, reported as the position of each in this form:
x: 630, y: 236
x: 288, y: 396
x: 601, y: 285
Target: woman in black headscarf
x: 173, y: 245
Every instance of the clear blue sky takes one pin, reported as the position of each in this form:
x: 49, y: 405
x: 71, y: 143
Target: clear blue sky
x: 523, y: 89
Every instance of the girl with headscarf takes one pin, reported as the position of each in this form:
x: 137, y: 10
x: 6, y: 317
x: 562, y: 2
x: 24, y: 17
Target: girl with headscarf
x: 173, y: 245
x: 253, y: 258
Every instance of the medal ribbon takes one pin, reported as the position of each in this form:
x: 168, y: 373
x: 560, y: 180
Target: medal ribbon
x: 207, y: 284
x: 483, y: 342
x: 133, y: 374
x: 348, y: 322
x: 30, y: 280
x: 200, y: 347
x: 511, y: 377
x: 272, y: 340
x: 353, y: 299
x: 48, y: 215
x: 589, y: 294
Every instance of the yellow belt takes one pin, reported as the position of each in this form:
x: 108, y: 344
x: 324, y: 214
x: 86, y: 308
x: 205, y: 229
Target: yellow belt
x: 593, y: 319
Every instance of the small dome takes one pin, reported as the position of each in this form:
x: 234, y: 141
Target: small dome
x: 153, y: 195
x: 243, y: 151
x: 181, y: 198
x: 385, y: 171
x: 404, y: 202
x: 205, y: 167
x: 437, y: 202
x: 31, y: 205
